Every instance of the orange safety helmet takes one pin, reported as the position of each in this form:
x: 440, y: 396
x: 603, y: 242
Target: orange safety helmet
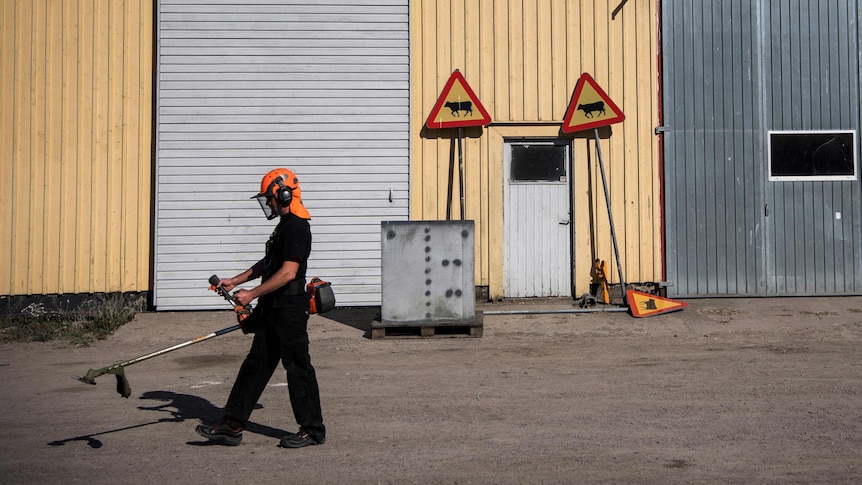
x: 282, y: 185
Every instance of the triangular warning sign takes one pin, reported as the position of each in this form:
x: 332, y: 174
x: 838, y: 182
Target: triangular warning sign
x: 590, y: 108
x: 646, y: 305
x: 457, y: 106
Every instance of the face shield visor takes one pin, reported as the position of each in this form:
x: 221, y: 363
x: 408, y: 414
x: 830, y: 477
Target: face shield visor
x: 264, y: 202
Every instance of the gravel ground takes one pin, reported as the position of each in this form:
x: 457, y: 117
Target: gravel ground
x: 723, y: 391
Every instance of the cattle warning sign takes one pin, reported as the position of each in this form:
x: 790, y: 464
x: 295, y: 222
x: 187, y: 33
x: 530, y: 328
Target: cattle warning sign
x: 645, y: 305
x: 590, y: 108
x: 457, y: 106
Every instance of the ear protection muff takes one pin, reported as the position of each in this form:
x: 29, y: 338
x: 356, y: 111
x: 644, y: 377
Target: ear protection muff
x: 283, y: 193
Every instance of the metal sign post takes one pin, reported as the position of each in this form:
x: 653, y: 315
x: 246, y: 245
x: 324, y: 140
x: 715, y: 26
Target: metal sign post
x: 461, y: 173
x: 457, y: 107
x: 591, y: 107
x: 610, y: 215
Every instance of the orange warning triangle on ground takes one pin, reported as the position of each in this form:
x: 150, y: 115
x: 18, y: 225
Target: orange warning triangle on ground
x: 646, y: 305
x: 590, y: 107
x: 457, y: 106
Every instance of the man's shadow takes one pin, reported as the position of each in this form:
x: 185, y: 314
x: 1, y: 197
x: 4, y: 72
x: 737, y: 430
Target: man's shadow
x: 180, y: 407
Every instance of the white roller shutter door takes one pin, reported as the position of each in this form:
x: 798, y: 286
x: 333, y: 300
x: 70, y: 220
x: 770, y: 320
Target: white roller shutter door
x: 319, y: 87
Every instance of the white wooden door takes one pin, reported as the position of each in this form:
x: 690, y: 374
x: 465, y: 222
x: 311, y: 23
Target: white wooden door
x: 537, y: 219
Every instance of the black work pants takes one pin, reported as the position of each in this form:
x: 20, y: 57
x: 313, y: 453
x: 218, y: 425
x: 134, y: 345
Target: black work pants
x: 282, y: 334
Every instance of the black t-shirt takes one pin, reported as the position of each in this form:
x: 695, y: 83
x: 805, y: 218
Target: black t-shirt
x: 290, y: 241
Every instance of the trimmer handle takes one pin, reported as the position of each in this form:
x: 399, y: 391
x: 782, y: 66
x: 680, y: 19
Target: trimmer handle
x: 242, y: 311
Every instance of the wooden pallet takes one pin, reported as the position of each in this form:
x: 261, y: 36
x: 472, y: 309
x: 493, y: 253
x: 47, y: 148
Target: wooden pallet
x: 380, y: 330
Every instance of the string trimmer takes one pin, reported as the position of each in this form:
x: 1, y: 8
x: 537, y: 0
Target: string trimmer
x: 118, y: 369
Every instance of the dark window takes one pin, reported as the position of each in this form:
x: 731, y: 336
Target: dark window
x: 538, y: 163
x: 812, y: 154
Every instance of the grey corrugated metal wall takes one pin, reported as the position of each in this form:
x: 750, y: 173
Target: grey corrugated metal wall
x: 242, y: 88
x: 733, y: 70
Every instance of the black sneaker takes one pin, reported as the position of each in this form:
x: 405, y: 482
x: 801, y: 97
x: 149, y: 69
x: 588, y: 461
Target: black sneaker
x: 221, y: 433
x: 299, y: 440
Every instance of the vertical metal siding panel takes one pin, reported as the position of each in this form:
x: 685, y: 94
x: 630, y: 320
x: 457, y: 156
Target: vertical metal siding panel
x: 670, y: 35
x: 685, y: 122
x: 841, y: 60
x: 835, y: 228
x: 841, y: 198
x: 722, y: 180
x: 810, y: 259
x: 697, y: 258
x: 712, y: 91
x: 853, y: 251
x: 823, y: 268
x: 731, y: 56
x: 778, y: 221
x: 816, y: 265
x: 804, y: 57
x: 806, y: 264
x: 682, y: 42
x: 755, y: 144
x: 819, y: 53
x: 709, y: 202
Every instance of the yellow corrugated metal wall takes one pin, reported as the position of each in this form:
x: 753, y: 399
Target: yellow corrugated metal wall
x: 523, y: 59
x: 75, y: 145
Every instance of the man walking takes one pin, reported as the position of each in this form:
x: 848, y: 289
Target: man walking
x: 279, y: 322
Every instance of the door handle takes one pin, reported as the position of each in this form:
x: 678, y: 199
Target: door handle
x: 564, y: 223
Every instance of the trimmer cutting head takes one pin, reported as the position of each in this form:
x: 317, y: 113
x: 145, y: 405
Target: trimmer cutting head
x: 86, y: 379
x: 123, y: 386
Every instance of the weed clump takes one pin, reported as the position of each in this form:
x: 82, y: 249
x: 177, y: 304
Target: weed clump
x: 93, y: 320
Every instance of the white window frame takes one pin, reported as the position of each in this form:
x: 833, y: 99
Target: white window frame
x: 813, y: 178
